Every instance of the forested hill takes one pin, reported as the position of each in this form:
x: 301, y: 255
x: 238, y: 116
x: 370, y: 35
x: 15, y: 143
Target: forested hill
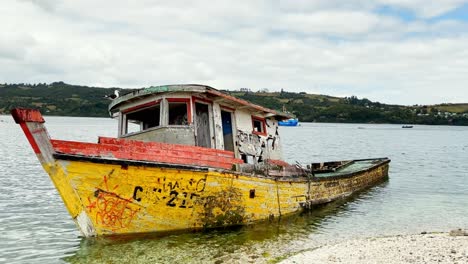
x: 71, y: 100
x: 57, y: 98
x: 324, y: 108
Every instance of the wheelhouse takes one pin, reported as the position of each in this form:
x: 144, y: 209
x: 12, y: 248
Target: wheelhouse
x: 198, y: 115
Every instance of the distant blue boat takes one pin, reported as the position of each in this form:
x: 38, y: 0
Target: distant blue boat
x: 289, y: 122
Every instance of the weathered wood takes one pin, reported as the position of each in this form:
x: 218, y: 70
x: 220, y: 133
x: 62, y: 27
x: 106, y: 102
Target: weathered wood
x: 122, y: 185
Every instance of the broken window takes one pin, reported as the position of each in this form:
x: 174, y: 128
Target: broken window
x: 259, y: 125
x: 178, y: 112
x: 143, y: 119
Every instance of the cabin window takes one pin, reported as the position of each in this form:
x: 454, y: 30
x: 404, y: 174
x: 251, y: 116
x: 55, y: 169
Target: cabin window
x: 259, y: 125
x: 143, y: 119
x: 178, y: 111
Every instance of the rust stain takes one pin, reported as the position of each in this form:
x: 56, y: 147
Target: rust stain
x: 222, y: 208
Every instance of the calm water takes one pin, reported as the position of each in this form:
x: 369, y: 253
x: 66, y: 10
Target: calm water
x: 427, y: 191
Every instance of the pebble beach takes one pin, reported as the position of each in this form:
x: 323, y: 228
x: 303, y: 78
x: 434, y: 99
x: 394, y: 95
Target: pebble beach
x: 426, y: 247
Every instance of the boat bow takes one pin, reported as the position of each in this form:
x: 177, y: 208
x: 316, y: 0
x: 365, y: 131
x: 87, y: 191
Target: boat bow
x: 32, y: 124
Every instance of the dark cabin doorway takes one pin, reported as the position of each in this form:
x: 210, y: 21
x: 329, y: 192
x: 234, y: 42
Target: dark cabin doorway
x: 226, y: 118
x: 203, y: 125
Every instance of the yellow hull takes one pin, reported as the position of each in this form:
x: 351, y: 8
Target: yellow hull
x: 106, y: 199
x: 134, y: 199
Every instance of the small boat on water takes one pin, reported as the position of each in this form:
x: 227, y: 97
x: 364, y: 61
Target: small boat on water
x: 289, y: 122
x: 187, y: 157
x: 406, y: 126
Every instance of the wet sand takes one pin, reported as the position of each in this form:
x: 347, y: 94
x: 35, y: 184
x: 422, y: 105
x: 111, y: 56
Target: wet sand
x: 422, y: 248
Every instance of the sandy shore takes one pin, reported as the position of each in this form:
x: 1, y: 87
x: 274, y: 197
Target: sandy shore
x: 423, y: 248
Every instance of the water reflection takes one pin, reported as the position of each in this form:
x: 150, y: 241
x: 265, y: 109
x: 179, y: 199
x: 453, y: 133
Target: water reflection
x: 260, y: 242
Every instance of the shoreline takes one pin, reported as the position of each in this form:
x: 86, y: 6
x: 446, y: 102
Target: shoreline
x: 434, y: 247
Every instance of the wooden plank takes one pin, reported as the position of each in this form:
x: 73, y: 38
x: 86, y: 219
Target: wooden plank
x: 148, y: 151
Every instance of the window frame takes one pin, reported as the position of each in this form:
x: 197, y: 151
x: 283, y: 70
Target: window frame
x: 188, y: 105
x: 263, y: 122
x: 137, y: 108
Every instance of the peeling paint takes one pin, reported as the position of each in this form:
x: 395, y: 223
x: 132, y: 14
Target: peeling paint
x: 85, y: 224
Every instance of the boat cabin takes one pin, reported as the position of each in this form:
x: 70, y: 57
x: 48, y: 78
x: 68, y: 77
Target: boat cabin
x: 199, y: 115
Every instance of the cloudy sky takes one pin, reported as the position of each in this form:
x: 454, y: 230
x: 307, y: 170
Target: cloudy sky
x: 392, y: 51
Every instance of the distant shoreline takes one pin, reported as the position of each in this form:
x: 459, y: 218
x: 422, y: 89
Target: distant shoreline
x: 349, y: 123
x: 61, y: 99
x: 421, y: 248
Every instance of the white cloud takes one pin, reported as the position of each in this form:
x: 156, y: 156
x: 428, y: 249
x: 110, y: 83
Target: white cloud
x: 328, y: 47
x: 330, y: 22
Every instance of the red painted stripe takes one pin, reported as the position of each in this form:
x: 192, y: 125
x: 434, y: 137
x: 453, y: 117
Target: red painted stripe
x: 194, y: 99
x: 278, y: 162
x: 246, y: 103
x: 149, y: 151
x: 122, y: 141
x: 21, y: 115
x: 30, y: 137
x: 223, y: 107
x: 148, y: 104
x: 180, y: 100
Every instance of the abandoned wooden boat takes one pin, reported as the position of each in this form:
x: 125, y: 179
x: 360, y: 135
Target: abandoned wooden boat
x: 187, y: 157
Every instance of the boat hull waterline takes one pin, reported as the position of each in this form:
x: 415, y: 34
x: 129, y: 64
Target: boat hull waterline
x: 111, y: 196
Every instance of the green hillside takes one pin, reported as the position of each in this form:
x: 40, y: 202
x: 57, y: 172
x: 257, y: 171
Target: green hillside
x: 324, y: 108
x: 56, y: 99
x: 454, y: 108
x: 72, y: 100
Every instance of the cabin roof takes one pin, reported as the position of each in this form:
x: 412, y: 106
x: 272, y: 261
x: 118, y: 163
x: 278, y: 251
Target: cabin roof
x: 211, y: 92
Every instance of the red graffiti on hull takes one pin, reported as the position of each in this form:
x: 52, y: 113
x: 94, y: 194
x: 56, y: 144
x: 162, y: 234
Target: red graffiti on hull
x: 111, y: 210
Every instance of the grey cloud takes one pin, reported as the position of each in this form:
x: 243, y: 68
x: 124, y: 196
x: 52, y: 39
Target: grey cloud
x: 319, y: 46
